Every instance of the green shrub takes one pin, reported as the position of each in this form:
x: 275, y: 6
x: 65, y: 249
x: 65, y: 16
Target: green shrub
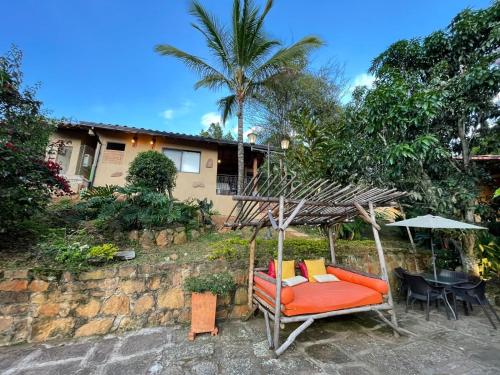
x: 297, y: 249
x: 206, y: 210
x: 73, y: 255
x: 141, y: 208
x: 154, y: 171
x: 488, y: 247
x: 99, y: 191
x: 103, y: 252
x: 73, y: 251
x: 218, y: 283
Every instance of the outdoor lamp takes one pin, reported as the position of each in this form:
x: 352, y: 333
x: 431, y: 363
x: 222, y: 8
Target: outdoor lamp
x: 152, y: 142
x: 134, y: 140
x: 252, y: 138
x: 285, y: 143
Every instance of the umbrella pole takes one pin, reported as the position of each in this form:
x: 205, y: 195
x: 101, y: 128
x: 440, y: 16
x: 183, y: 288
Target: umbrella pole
x: 433, y: 258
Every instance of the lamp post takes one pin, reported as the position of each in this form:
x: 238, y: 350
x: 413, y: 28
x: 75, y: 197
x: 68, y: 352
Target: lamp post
x: 285, y: 144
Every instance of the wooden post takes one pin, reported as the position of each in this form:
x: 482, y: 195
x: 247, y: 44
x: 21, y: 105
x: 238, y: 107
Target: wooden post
x: 277, y: 306
x: 331, y: 241
x: 251, y: 268
x: 254, y: 170
x: 383, y: 267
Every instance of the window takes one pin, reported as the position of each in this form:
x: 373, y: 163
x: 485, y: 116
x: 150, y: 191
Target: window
x: 115, y: 146
x: 185, y: 161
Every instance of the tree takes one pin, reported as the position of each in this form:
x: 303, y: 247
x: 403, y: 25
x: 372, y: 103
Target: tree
x: 27, y: 180
x: 305, y: 108
x: 215, y: 131
x: 246, y: 59
x: 318, y: 92
x: 153, y: 170
x: 431, y: 104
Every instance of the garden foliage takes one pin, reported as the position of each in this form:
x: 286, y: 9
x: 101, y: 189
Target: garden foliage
x: 138, y: 208
x: 299, y: 249
x: 219, y: 284
x: 154, y: 171
x: 27, y: 180
x: 71, y: 249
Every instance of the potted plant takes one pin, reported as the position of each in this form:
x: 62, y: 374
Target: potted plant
x: 204, y: 291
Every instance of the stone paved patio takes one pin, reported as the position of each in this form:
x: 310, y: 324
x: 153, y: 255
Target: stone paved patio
x: 347, y: 345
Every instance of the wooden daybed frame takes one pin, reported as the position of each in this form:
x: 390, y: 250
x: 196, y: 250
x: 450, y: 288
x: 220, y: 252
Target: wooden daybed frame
x: 318, y: 202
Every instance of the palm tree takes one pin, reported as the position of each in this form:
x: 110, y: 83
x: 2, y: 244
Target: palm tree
x: 246, y: 59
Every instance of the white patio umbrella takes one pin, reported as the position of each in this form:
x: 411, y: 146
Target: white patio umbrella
x: 433, y: 222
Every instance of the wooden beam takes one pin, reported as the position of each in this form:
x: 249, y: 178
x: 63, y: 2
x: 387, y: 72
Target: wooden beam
x: 293, y: 336
x: 254, y: 172
x: 251, y: 261
x: 309, y: 202
x: 293, y: 214
x: 331, y: 242
x: 364, y: 215
x: 251, y: 264
x: 383, y: 267
x: 277, y: 309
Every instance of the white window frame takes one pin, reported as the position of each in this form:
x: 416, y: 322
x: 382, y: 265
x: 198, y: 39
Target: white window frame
x: 182, y: 157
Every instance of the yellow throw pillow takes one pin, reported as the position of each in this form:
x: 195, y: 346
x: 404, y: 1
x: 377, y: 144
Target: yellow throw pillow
x: 287, y: 269
x: 315, y: 267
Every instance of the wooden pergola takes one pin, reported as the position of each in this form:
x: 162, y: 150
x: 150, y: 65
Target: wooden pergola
x: 321, y: 203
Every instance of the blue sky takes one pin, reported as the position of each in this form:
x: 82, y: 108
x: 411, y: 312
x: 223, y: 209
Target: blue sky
x: 95, y: 60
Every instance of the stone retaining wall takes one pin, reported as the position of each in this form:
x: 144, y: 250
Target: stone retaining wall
x: 36, y: 308
x: 163, y: 238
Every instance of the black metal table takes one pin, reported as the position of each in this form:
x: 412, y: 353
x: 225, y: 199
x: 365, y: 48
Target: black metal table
x: 442, y: 280
x: 446, y: 282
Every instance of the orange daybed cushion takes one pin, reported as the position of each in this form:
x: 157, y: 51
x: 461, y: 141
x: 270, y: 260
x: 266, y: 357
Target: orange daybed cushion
x: 370, y: 282
x: 314, y: 298
x: 287, y: 294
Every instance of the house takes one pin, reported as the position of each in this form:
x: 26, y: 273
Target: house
x: 96, y: 154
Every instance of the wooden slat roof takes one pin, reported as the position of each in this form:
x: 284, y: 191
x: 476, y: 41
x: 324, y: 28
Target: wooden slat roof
x: 324, y: 202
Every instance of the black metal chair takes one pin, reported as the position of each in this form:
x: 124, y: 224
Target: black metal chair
x: 402, y: 287
x: 420, y: 290
x: 474, y: 295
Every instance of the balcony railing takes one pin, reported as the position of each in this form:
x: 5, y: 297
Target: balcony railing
x: 228, y: 184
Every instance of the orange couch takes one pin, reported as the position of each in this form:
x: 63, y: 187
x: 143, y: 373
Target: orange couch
x: 353, y: 290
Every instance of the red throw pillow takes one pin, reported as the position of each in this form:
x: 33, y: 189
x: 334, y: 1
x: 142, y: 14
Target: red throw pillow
x: 271, y: 270
x: 303, y: 270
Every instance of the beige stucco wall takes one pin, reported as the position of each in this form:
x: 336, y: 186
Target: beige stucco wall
x: 73, y: 139
x: 201, y: 185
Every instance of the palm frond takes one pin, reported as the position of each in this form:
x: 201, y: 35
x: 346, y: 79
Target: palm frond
x: 227, y: 106
x: 260, y: 49
x: 236, y: 29
x: 285, y: 58
x: 213, y: 81
x: 215, y: 34
x: 193, y: 62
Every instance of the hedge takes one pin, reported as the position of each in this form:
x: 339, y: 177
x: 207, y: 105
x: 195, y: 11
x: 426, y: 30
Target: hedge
x: 234, y: 249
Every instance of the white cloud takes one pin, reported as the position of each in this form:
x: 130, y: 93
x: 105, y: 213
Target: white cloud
x: 168, y: 114
x: 253, y: 129
x: 183, y: 109
x: 210, y: 118
x: 363, y: 79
